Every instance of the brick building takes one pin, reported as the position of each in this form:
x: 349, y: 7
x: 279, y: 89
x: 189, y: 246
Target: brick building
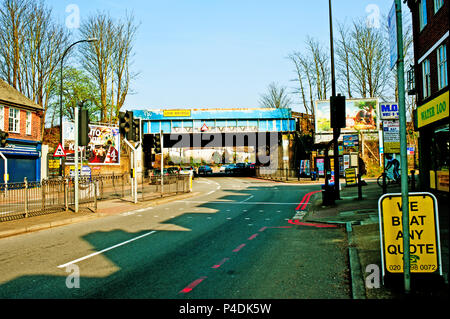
x: 21, y: 118
x: 428, y: 80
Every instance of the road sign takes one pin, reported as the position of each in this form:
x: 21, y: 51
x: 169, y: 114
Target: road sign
x: 391, y: 137
x: 204, y: 128
x: 392, y: 25
x: 425, y: 255
x: 59, y: 152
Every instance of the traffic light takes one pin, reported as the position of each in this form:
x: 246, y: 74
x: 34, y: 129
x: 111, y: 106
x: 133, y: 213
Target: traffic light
x: 136, y: 130
x: 83, y: 127
x: 126, y: 124
x: 337, y: 111
x: 3, y: 137
x: 157, y: 143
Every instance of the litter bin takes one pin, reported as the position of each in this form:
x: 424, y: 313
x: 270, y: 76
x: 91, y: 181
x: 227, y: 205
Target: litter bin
x: 313, y: 175
x: 328, y: 194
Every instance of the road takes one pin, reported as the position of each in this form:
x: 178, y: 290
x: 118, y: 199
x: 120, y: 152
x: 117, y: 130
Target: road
x: 234, y: 240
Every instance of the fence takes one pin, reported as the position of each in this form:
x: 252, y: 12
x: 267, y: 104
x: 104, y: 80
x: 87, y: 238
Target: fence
x: 22, y: 200
x: 281, y: 174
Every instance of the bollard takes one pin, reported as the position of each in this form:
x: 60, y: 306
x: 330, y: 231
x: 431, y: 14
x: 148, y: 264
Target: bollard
x: 359, y: 187
x: 26, y: 196
x: 413, y: 180
x: 384, y: 183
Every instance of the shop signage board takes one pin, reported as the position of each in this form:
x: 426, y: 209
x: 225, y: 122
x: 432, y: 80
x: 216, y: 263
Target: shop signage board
x: 391, y: 137
x: 350, y: 177
x: 433, y: 111
x: 425, y: 255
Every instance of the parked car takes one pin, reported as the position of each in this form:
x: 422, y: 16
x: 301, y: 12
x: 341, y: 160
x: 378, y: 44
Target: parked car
x: 157, y: 172
x: 223, y: 168
x: 173, y: 170
x: 187, y: 171
x: 230, y: 168
x: 204, y: 169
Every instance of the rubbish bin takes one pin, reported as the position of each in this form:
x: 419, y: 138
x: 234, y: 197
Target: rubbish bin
x: 313, y: 175
x: 328, y: 194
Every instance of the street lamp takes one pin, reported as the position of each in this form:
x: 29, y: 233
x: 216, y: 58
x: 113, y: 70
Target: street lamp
x: 60, y: 92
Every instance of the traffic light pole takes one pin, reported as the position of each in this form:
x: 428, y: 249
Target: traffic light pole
x: 133, y: 160
x: 5, y: 176
x: 76, y: 157
x: 403, y: 151
x: 162, y: 162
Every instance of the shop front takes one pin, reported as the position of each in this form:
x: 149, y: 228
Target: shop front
x: 433, y: 126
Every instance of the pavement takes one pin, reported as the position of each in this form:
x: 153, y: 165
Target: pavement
x: 361, y: 219
x: 359, y: 216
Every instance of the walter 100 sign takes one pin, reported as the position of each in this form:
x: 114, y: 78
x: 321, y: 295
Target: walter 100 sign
x: 424, y: 243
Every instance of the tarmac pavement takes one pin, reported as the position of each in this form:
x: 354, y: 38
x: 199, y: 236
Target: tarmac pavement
x: 359, y: 216
x: 362, y: 221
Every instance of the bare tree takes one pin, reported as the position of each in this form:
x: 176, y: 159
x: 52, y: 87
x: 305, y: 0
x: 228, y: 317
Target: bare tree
x: 108, y: 60
x: 368, y: 59
x: 276, y: 97
x: 32, y: 45
x: 343, y: 60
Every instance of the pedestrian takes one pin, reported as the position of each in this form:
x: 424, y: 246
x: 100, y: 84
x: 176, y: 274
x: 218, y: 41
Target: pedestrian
x: 362, y: 166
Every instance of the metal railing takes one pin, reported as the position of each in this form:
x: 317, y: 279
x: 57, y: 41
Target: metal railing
x: 22, y: 200
x: 282, y: 174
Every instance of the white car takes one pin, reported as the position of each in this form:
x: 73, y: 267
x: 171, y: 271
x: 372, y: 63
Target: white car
x: 187, y: 171
x: 223, y: 168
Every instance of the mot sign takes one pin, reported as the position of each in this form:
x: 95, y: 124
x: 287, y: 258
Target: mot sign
x: 425, y: 255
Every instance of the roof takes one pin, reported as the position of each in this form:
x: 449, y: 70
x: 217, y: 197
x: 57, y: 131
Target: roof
x: 10, y: 96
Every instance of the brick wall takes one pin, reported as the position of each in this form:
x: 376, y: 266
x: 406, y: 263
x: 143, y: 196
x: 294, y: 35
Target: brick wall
x: 437, y: 25
x: 35, y: 125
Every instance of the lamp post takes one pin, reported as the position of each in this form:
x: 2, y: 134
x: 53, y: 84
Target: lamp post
x: 336, y: 131
x: 60, y: 92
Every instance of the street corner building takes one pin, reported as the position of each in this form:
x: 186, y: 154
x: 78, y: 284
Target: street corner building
x: 428, y: 81
x: 21, y: 119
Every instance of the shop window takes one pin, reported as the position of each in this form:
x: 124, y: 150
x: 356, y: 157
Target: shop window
x: 14, y: 120
x: 437, y: 5
x: 442, y: 66
x: 28, y: 123
x: 426, y: 78
x: 2, y: 117
x: 422, y: 14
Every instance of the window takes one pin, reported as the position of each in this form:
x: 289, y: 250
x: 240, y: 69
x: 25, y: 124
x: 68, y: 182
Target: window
x: 437, y: 5
x: 14, y: 120
x: 442, y: 66
x: 28, y: 124
x: 426, y: 79
x: 422, y: 14
x: 2, y: 117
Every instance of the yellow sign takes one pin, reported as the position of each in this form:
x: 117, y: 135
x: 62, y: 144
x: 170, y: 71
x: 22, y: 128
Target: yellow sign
x: 175, y: 113
x: 423, y: 233
x: 434, y: 110
x: 350, y: 176
x: 52, y: 163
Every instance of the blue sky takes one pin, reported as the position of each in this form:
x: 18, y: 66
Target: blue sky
x: 200, y: 54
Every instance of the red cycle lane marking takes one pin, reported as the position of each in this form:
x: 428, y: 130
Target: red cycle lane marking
x: 238, y: 248
x: 297, y: 222
x: 263, y: 229
x: 193, y: 285
x: 220, y: 263
x: 252, y: 236
x: 305, y: 202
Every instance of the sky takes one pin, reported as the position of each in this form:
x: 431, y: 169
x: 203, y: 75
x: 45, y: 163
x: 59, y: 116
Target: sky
x: 217, y: 53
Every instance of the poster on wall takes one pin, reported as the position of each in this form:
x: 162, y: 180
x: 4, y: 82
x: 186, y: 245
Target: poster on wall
x: 103, y: 147
x: 391, y: 137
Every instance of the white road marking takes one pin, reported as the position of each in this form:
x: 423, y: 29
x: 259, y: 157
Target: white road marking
x: 105, y: 250
x: 250, y: 197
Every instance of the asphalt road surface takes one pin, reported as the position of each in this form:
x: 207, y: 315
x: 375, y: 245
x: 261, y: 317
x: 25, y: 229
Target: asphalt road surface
x: 235, y: 240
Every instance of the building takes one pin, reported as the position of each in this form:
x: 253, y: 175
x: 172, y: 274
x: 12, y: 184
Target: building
x: 21, y: 119
x: 430, y: 22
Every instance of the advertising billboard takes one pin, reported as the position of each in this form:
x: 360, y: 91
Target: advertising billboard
x: 103, y: 147
x: 361, y: 114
